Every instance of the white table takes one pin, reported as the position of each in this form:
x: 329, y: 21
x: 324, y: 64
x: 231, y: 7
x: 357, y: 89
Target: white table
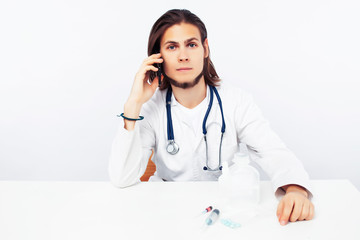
x: 154, y: 210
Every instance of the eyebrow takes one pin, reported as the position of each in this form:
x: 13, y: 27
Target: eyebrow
x: 186, y: 41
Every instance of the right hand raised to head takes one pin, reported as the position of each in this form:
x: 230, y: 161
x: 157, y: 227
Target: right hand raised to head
x: 141, y: 90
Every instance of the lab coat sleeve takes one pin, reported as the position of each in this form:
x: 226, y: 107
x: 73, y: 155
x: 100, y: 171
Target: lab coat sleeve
x: 267, y: 149
x: 130, y: 153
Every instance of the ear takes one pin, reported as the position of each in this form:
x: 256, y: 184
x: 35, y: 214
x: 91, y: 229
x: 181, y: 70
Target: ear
x: 206, y: 48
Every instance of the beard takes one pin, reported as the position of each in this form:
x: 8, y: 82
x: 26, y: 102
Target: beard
x: 184, y: 85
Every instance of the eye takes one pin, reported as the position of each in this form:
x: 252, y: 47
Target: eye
x: 171, y: 47
x: 192, y: 45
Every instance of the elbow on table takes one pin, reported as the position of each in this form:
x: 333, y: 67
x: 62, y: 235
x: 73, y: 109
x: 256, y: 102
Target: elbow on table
x: 120, y: 182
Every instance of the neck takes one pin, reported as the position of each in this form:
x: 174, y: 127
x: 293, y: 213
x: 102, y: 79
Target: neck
x: 191, y: 97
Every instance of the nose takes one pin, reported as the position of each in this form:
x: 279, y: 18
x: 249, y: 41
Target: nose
x: 183, y: 57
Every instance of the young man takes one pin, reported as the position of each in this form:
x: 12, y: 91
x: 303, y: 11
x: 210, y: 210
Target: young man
x: 174, y: 123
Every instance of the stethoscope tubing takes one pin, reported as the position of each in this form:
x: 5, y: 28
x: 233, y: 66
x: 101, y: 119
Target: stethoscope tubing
x: 170, y: 130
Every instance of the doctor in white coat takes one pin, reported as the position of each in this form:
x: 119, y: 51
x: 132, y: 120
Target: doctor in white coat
x: 180, y: 40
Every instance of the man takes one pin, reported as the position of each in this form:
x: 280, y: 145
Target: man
x: 174, y: 121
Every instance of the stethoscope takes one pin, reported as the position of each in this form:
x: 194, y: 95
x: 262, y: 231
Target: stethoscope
x: 173, y: 148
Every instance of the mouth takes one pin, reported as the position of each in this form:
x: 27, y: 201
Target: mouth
x: 183, y: 69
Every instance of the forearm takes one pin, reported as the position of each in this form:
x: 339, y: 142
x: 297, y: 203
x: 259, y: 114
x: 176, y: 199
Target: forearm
x: 127, y: 159
x: 131, y: 110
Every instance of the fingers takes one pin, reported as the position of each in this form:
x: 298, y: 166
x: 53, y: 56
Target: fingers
x: 280, y: 209
x: 288, y: 205
x: 294, y: 209
x: 147, y: 65
x: 142, y: 90
x: 311, y: 212
x: 305, y: 211
x: 155, y: 55
x: 155, y: 58
x: 296, y: 212
x: 152, y: 61
x: 150, y: 67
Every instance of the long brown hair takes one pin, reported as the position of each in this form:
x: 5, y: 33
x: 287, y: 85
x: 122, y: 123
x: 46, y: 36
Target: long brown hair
x: 168, y: 19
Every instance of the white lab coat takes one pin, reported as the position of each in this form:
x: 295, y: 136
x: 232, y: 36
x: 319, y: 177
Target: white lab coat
x: 244, y: 124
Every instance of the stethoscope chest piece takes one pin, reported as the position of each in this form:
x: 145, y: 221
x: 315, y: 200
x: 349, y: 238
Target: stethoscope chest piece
x: 172, y: 147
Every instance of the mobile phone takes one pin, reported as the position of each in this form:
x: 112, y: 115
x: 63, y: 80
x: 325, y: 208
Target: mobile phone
x: 159, y: 72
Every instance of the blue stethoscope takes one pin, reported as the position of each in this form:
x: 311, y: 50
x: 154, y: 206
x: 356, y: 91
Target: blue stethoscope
x: 173, y: 148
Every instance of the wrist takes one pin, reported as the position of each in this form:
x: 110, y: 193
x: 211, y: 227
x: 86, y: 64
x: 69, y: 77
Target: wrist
x: 131, y: 110
x: 295, y: 188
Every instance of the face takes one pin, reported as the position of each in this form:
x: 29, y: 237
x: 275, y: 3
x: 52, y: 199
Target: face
x: 183, y: 54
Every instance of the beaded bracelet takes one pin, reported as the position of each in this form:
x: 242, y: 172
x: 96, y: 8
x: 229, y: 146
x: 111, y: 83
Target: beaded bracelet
x: 131, y: 119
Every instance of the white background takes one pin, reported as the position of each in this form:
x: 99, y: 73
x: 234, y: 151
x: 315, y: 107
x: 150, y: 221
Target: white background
x: 66, y: 69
